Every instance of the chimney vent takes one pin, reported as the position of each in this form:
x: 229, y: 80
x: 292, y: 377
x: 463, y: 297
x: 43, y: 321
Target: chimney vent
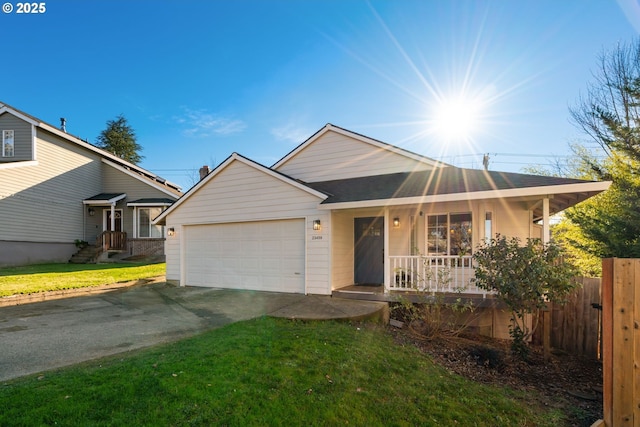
x: 204, y: 171
x: 63, y: 124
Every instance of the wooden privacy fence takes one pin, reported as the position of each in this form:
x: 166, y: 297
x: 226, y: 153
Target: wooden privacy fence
x: 575, y: 326
x: 621, y: 342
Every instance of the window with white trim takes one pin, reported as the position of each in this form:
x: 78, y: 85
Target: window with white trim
x: 145, y: 227
x: 8, y: 143
x: 449, y: 234
x: 488, y: 227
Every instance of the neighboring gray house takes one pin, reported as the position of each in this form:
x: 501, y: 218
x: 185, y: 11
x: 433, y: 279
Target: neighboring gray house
x: 56, y: 189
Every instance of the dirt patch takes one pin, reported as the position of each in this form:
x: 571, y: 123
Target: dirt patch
x: 572, y: 384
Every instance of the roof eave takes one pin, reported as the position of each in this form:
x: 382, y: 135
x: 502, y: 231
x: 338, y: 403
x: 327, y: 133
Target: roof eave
x: 105, y: 202
x: 149, y: 204
x: 142, y: 178
x: 105, y: 154
x: 588, y: 188
x: 161, y: 219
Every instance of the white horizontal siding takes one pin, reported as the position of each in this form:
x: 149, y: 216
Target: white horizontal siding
x: 336, y: 156
x: 513, y: 220
x: 172, y: 253
x: 342, y: 238
x: 242, y: 193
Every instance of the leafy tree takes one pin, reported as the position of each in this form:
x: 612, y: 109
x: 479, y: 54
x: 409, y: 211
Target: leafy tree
x: 608, y: 225
x: 119, y: 138
x: 525, y: 277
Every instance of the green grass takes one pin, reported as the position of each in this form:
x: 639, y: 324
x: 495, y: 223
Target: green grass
x: 52, y: 277
x: 267, y: 372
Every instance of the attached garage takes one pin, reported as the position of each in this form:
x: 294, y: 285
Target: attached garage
x: 257, y: 255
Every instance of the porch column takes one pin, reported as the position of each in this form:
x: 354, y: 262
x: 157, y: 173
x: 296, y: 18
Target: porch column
x: 113, y: 217
x: 135, y: 222
x: 546, y: 233
x: 387, y: 265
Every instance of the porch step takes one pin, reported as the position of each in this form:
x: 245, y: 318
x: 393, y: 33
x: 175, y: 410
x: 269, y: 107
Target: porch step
x: 87, y: 255
x: 361, y: 293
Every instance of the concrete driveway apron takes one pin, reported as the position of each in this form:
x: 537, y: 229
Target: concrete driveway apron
x: 41, y: 336
x: 46, y: 335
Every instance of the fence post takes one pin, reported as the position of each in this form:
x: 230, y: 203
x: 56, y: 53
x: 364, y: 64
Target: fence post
x: 621, y: 341
x: 547, y: 314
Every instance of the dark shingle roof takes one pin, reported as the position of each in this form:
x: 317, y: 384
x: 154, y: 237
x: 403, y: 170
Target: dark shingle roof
x: 156, y: 200
x: 103, y: 197
x: 448, y: 180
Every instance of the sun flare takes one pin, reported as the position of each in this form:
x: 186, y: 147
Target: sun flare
x: 456, y: 118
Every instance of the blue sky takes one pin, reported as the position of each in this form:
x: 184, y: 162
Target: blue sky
x: 198, y: 80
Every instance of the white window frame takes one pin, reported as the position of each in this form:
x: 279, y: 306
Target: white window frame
x: 488, y: 226
x: 5, y: 138
x: 448, y: 231
x: 139, y: 209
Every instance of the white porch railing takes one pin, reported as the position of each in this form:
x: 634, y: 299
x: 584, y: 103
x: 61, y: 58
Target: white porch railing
x: 443, y: 273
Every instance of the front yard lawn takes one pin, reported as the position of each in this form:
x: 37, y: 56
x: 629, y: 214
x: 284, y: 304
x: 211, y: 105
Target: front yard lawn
x: 51, y: 277
x: 268, y: 372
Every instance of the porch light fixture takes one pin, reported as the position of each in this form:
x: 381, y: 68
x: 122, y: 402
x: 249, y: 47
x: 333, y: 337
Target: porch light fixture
x: 316, y: 225
x: 92, y: 212
x: 396, y: 222
x: 171, y: 232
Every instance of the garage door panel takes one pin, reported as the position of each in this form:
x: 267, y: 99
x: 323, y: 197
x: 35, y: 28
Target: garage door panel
x: 266, y: 256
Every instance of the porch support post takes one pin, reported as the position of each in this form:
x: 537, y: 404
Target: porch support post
x: 387, y: 265
x: 113, y: 217
x: 546, y: 233
x: 135, y: 222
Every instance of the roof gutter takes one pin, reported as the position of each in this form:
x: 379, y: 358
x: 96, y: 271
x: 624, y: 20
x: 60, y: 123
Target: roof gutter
x: 589, y: 187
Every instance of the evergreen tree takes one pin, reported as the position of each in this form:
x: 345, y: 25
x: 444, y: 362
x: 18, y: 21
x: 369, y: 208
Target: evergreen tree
x: 608, y: 225
x: 119, y: 138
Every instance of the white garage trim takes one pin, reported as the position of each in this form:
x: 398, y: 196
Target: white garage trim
x: 255, y: 255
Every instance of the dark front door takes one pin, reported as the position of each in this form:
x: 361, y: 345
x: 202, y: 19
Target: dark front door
x: 369, y: 250
x: 118, y: 221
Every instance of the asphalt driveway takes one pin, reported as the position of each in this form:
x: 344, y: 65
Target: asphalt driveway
x: 41, y: 336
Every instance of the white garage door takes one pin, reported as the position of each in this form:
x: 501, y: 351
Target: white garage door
x: 263, y: 256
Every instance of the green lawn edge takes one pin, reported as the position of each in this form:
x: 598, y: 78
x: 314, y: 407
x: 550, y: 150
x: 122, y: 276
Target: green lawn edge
x: 267, y: 371
x: 54, y: 277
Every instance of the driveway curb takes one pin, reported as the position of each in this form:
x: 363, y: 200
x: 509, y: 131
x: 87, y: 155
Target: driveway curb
x: 21, y: 299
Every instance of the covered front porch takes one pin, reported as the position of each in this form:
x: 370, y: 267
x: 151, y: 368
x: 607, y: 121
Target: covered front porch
x: 417, y: 250
x: 115, y: 227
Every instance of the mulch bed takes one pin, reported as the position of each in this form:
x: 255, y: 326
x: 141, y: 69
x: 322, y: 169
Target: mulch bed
x: 570, y: 383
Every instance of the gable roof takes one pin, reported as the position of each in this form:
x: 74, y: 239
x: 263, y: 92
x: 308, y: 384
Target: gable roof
x: 235, y: 157
x: 451, y: 184
x: 440, y: 184
x: 142, y: 173
x: 362, y: 138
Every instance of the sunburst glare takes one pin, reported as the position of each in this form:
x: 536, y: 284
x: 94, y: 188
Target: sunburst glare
x: 456, y: 118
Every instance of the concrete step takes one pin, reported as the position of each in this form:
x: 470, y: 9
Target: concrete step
x: 86, y: 255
